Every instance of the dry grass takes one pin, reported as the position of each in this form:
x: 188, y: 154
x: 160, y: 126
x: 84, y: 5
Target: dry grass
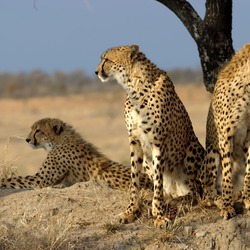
x: 113, y: 227
x: 37, y: 232
x: 7, y: 167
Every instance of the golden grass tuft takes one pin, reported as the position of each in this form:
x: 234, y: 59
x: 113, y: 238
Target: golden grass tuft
x: 7, y: 167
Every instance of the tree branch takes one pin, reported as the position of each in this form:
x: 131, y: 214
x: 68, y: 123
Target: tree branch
x: 219, y: 15
x: 187, y: 14
x: 213, y: 35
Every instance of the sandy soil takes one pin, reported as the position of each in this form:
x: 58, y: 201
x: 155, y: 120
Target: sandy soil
x: 84, y: 216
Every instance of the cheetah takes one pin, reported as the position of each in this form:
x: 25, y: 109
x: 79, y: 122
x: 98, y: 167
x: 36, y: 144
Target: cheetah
x: 70, y: 159
x: 226, y: 169
x: 161, y: 137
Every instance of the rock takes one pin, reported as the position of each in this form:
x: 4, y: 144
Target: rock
x: 188, y: 230
x: 200, y: 234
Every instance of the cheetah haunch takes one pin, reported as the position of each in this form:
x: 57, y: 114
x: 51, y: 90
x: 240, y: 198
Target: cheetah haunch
x: 161, y: 136
x: 227, y: 163
x: 70, y: 159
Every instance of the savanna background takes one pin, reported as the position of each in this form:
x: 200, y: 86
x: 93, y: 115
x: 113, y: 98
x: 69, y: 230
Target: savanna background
x: 95, y: 109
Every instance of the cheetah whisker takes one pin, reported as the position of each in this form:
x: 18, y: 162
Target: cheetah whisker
x: 18, y: 137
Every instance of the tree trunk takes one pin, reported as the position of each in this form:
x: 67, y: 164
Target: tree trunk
x: 212, y: 34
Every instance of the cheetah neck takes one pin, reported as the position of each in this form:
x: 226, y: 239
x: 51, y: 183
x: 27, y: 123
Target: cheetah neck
x: 141, y: 79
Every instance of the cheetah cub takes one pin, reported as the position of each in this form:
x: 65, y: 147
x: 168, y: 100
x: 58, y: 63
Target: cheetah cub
x: 161, y: 136
x: 227, y: 163
x: 70, y: 159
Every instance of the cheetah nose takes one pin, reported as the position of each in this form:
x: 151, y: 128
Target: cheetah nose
x: 96, y: 72
x: 28, y: 140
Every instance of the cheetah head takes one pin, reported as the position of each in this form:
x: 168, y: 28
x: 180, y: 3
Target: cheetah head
x: 116, y: 63
x: 44, y: 133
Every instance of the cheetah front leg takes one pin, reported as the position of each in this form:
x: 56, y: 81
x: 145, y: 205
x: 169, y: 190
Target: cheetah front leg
x: 158, y: 206
x: 246, y: 189
x: 209, y: 175
x: 43, y: 178
x: 194, y: 158
x: 133, y: 209
x: 227, y: 210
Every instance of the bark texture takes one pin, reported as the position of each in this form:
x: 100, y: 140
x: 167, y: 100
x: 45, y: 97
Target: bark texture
x: 212, y: 34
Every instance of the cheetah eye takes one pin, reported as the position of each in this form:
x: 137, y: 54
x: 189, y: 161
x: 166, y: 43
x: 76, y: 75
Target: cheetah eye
x: 107, y: 60
x: 37, y: 131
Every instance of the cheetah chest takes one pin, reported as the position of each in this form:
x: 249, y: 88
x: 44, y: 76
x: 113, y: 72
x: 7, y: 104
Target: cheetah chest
x: 141, y: 130
x: 144, y: 130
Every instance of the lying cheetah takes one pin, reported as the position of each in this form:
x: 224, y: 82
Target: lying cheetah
x: 70, y: 159
x: 161, y: 136
x: 227, y: 163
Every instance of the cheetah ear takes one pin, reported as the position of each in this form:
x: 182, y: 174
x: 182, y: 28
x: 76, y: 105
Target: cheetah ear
x: 57, y: 126
x: 134, y: 51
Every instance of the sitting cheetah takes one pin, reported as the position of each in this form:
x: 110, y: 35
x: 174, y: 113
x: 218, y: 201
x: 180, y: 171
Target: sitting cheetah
x: 161, y: 136
x: 70, y: 159
x: 228, y: 136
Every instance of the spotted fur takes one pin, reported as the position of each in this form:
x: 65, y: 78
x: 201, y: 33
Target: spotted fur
x: 161, y: 136
x: 70, y: 159
x: 226, y: 170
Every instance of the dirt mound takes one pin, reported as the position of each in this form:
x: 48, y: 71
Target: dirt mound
x: 85, y: 216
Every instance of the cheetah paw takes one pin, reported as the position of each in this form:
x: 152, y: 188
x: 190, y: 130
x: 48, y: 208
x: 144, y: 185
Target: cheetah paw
x: 161, y: 222
x: 247, y: 203
x: 208, y: 202
x: 128, y: 217
x: 228, y: 212
x: 218, y: 201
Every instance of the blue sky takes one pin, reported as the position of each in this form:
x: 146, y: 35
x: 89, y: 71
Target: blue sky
x: 72, y: 34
